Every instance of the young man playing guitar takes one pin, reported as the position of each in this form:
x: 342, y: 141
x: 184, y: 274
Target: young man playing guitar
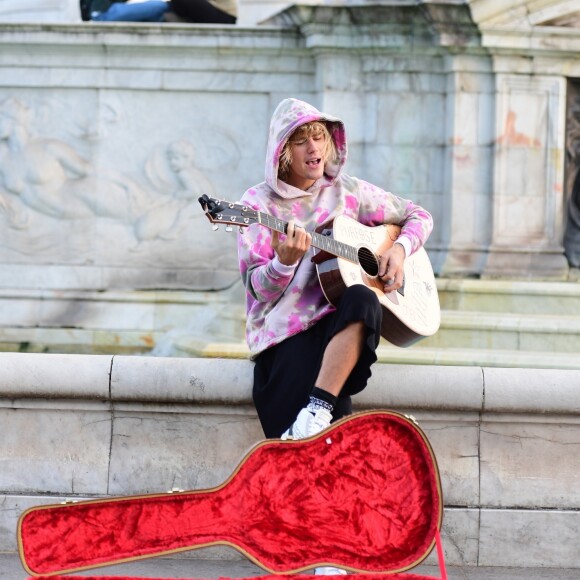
x: 310, y: 356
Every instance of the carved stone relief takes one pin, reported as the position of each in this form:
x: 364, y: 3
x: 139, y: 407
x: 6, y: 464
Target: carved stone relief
x: 97, y: 194
x: 50, y: 177
x: 172, y: 212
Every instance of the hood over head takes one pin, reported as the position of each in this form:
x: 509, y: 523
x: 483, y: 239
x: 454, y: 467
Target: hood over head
x: 288, y: 116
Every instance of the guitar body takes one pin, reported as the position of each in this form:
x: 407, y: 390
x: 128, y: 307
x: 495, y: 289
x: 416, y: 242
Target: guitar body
x: 349, y: 256
x: 364, y: 495
x: 409, y: 314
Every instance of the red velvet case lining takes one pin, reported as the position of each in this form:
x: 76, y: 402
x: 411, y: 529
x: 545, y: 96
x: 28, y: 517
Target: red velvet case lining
x: 364, y: 495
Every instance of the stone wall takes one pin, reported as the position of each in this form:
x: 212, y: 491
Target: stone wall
x: 67, y: 11
x: 109, y: 132
x: 40, y: 11
x: 506, y: 441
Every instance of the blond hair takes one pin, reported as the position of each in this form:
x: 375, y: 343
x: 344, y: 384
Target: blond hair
x: 301, y: 134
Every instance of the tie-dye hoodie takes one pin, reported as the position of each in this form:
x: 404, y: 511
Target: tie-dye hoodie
x: 282, y: 301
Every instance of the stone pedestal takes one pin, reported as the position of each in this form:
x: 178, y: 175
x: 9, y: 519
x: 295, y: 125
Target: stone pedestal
x: 505, y: 440
x: 110, y: 132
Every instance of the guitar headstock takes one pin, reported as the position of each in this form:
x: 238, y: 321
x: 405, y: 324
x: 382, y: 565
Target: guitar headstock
x: 225, y: 212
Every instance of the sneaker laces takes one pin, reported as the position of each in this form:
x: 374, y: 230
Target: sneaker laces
x: 308, y: 423
x: 320, y: 421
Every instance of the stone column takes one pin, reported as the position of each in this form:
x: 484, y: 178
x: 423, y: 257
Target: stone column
x: 467, y: 209
x: 528, y: 178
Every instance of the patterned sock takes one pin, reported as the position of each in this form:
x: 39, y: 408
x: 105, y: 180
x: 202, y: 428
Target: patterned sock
x: 321, y: 399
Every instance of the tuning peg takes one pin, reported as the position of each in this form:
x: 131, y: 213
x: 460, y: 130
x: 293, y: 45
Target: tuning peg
x: 229, y: 229
x: 215, y: 227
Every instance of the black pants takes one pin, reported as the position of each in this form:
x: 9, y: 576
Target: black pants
x: 285, y: 374
x: 200, y: 11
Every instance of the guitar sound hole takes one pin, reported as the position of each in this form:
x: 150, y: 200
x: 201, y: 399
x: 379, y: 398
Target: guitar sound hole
x: 368, y: 261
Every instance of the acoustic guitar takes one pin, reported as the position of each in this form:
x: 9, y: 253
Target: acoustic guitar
x: 349, y: 254
x: 364, y: 495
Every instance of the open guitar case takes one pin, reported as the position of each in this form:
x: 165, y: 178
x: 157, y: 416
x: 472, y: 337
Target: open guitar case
x: 364, y: 495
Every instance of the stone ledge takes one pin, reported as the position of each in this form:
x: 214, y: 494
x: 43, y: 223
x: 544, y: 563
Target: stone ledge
x: 93, y: 425
x: 207, y: 381
x: 484, y: 358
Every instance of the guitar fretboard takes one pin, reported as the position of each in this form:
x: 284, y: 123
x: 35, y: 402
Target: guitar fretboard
x: 322, y: 242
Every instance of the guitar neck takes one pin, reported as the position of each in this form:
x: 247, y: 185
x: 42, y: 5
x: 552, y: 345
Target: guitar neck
x: 320, y: 241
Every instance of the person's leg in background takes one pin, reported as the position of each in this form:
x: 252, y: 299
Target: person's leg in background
x: 149, y: 11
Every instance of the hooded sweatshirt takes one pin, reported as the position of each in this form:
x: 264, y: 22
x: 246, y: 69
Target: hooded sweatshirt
x: 281, y: 300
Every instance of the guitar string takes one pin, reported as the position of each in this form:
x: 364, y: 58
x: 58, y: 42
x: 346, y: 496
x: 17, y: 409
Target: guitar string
x: 318, y: 240
x: 367, y: 260
x: 340, y: 249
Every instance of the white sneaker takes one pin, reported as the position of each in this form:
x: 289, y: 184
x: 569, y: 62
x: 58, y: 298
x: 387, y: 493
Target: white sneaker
x: 329, y: 571
x: 308, y: 423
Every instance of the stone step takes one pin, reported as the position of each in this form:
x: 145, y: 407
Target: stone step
x: 465, y: 338
x: 478, y: 357
x: 390, y: 354
x: 557, y: 298
x: 518, y: 332
x: 518, y: 316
